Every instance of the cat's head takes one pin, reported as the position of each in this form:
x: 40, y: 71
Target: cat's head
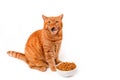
x: 53, y: 24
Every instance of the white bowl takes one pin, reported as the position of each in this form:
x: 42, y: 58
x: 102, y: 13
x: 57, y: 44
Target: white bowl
x: 67, y: 73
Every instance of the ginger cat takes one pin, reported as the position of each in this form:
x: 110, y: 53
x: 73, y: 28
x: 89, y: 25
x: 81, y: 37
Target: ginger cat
x: 42, y: 47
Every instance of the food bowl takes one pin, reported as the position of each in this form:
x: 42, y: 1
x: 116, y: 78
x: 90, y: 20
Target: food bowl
x: 66, y: 69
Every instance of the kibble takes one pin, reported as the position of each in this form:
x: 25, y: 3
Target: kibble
x: 66, y: 66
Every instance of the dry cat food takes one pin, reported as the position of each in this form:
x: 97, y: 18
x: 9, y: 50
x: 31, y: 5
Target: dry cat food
x: 66, y: 66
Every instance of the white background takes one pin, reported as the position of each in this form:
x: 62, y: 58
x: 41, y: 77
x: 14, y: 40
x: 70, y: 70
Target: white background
x: 91, y: 37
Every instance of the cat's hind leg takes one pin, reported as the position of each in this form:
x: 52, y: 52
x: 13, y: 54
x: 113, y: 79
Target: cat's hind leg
x: 39, y: 65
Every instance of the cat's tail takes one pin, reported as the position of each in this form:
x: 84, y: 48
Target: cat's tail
x: 18, y: 55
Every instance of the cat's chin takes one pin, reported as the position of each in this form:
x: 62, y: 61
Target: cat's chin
x: 55, y: 32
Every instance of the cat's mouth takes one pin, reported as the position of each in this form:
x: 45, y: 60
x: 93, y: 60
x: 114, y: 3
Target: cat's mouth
x: 54, y: 30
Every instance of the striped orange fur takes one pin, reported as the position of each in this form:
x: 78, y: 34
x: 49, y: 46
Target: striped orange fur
x: 42, y: 47
x: 17, y: 55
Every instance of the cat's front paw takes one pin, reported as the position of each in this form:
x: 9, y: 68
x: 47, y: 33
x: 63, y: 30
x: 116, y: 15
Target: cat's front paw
x: 53, y: 68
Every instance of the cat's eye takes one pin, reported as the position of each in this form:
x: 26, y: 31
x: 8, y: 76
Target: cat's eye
x: 57, y: 21
x: 49, y: 22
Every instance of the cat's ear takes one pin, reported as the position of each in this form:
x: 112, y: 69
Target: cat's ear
x: 61, y: 16
x: 44, y: 17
